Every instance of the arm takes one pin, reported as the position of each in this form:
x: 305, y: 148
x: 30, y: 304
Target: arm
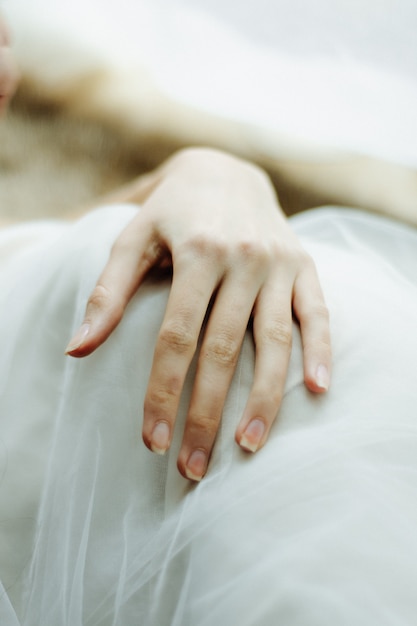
x: 217, y: 221
x: 368, y: 183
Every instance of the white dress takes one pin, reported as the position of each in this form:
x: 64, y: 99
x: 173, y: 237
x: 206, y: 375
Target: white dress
x: 316, y: 529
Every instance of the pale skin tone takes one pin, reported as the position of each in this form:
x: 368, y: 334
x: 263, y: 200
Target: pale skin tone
x: 216, y: 221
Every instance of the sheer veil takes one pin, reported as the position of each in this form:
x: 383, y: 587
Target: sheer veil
x: 318, y: 527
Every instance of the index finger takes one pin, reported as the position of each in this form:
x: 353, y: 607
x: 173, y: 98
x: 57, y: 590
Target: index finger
x: 133, y: 254
x: 192, y: 288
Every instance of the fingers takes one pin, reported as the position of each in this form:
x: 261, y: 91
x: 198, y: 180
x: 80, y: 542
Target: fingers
x: 194, y: 283
x: 313, y: 316
x: 191, y: 291
x: 272, y: 328
x: 239, y: 256
x: 217, y: 362
x: 273, y: 338
x: 133, y: 254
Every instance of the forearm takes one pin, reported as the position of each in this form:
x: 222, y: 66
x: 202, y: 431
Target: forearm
x: 355, y: 181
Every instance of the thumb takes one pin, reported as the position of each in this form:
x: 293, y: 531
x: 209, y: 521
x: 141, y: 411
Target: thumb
x: 133, y: 254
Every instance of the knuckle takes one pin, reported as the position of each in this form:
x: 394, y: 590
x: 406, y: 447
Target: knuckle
x: 206, y: 246
x: 162, y: 397
x: 307, y: 265
x: 222, y: 350
x: 283, y: 254
x: 277, y: 333
x: 318, y: 346
x: 253, y: 252
x: 202, y: 426
x: 101, y: 299
x: 291, y: 253
x: 177, y: 337
x: 321, y: 311
x: 100, y: 296
x: 276, y: 396
x: 317, y: 312
x: 268, y: 394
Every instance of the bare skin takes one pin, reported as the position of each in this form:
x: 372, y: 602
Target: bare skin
x: 217, y: 221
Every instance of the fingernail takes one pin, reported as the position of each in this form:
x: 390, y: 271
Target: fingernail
x: 160, y: 438
x: 196, y: 465
x: 322, y: 377
x: 78, y: 339
x: 253, y: 435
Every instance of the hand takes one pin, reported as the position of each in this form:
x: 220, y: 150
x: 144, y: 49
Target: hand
x: 9, y: 76
x: 216, y: 219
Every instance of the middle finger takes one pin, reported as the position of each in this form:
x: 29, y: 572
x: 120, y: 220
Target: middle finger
x: 217, y: 361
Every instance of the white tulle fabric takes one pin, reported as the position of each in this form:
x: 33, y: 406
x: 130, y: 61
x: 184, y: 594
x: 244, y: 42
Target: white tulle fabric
x: 318, y: 528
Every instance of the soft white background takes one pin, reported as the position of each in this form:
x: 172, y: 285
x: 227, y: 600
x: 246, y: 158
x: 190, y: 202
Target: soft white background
x: 328, y: 74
